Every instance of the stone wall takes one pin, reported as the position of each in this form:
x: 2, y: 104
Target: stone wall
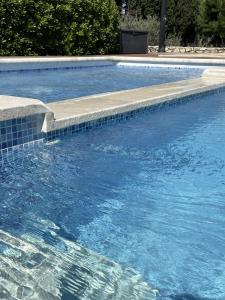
x: 186, y: 50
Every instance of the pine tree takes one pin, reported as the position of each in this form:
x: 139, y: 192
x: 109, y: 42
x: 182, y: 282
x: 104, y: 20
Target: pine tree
x: 183, y: 19
x: 144, y: 8
x: 212, y: 21
x: 182, y: 16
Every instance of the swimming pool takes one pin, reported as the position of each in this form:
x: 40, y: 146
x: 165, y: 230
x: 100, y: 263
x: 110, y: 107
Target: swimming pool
x: 147, y: 193
x: 66, y: 81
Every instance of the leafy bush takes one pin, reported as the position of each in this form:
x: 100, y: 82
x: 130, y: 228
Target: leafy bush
x: 59, y: 27
x: 151, y: 24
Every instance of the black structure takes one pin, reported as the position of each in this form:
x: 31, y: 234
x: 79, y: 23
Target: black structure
x: 163, y: 19
x: 133, y: 42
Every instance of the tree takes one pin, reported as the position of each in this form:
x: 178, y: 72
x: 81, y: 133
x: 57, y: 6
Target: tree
x: 144, y: 8
x: 182, y: 16
x: 183, y: 19
x: 212, y: 21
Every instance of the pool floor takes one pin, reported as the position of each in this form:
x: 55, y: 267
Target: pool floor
x: 147, y: 193
x: 60, y: 84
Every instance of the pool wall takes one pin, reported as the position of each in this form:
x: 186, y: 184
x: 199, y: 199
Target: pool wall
x: 21, y: 130
x: 47, y: 65
x: 26, y: 122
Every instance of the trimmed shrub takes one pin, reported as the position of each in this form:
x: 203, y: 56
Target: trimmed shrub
x: 58, y: 27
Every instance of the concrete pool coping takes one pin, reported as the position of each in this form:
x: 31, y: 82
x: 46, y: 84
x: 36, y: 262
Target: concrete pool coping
x: 192, y: 59
x: 70, y: 112
x: 18, y: 107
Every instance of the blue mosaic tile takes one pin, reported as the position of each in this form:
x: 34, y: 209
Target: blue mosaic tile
x: 20, y: 131
x: 18, y: 67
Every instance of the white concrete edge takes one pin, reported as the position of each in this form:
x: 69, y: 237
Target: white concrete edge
x: 215, y: 73
x: 194, y: 61
x: 17, y: 107
x: 159, y: 65
x: 50, y: 59
x: 116, y: 58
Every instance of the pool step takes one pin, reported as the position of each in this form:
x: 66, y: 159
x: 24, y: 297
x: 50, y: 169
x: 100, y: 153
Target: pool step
x: 30, y: 269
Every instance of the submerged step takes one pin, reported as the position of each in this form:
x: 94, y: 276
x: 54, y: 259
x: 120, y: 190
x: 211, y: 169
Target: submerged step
x: 34, y: 270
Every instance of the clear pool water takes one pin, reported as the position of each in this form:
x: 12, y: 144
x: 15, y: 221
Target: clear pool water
x: 59, y: 84
x: 148, y: 193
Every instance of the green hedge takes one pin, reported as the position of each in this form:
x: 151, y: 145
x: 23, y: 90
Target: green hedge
x: 58, y: 27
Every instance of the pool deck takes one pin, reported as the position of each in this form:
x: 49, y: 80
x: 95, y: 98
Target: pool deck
x: 75, y: 111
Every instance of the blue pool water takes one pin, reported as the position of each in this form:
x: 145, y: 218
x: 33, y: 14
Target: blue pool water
x: 59, y: 84
x: 148, y: 193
